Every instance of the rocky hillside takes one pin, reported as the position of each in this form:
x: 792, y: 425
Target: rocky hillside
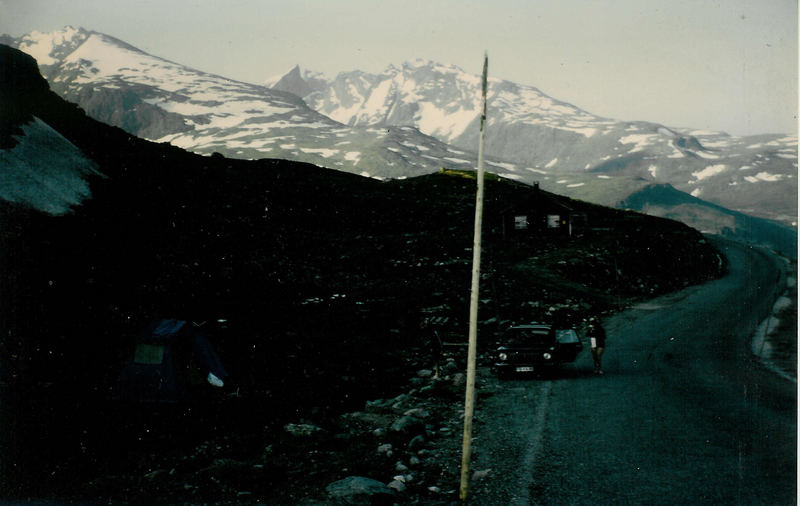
x: 552, y: 141
x: 312, y: 284
x: 413, y: 119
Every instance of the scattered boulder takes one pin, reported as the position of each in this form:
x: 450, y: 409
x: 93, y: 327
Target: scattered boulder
x: 360, y: 490
x: 450, y: 367
x: 397, y: 485
x: 408, y: 425
x: 363, y: 419
x: 303, y: 429
x: 481, y: 474
x: 158, y: 473
x: 377, y: 405
x: 416, y: 443
x: 417, y: 412
x: 417, y: 381
x: 385, y: 449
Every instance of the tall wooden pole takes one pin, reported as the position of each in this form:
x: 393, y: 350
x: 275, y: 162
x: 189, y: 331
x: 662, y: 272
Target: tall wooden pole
x: 469, y: 401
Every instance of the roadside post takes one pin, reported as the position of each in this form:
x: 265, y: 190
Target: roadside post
x: 469, y: 401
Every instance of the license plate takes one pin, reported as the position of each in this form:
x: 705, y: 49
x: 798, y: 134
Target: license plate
x: 524, y: 369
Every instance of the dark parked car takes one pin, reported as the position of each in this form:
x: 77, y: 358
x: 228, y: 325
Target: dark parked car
x: 534, y: 348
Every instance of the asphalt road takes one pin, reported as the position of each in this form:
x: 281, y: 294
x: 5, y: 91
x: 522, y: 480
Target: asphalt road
x: 683, y: 414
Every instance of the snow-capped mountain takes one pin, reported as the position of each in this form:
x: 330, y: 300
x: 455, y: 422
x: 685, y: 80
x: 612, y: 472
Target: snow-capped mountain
x: 557, y: 143
x: 412, y: 119
x: 163, y: 101
x: 442, y: 101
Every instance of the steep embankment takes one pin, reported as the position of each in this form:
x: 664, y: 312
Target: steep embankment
x: 321, y: 277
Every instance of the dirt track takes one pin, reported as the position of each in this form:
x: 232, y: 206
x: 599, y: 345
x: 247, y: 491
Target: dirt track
x: 684, y: 415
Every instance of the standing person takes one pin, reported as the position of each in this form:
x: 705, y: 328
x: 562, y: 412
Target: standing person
x: 597, y: 339
x: 434, y: 342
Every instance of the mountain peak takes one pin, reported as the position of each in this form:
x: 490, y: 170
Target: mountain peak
x: 420, y: 63
x: 292, y: 82
x: 298, y: 82
x: 50, y: 48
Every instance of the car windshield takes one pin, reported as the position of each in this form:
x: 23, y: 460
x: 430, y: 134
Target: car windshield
x: 526, y: 337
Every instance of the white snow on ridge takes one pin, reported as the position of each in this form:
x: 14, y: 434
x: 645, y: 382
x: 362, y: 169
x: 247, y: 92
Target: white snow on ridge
x: 323, y: 152
x: 40, y: 45
x: 528, y: 105
x: 676, y: 153
x: 699, y: 133
x: 639, y: 139
x: 764, y: 177
x: 222, y: 112
x: 374, y: 106
x: 708, y: 156
x: 415, y: 146
x: 222, y: 102
x: 711, y: 170
x: 585, y: 131
x: 507, y: 166
x: 434, y: 121
x: 537, y: 171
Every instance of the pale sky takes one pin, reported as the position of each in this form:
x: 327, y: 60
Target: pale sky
x: 729, y: 65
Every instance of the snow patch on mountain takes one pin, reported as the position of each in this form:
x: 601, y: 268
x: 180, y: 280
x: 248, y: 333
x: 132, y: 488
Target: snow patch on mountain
x: 640, y: 141
x: 442, y: 101
x: 377, y: 123
x: 44, y: 170
x: 709, y: 171
x: 46, y: 47
x: 764, y: 177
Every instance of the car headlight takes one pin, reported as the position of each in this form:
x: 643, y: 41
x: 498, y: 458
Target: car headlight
x: 547, y: 356
x: 503, y: 357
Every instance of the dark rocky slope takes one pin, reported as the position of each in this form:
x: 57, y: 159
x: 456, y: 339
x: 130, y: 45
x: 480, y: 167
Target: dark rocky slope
x: 322, y: 279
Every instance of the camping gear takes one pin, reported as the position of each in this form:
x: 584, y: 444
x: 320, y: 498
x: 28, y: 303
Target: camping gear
x: 173, y: 361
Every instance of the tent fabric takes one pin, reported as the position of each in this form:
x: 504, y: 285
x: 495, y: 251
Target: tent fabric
x: 168, y: 328
x: 209, y: 360
x: 169, y: 355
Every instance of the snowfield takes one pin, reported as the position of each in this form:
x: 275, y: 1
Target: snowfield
x: 44, y: 170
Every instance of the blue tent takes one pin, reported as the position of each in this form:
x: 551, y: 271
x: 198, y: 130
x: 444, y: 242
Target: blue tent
x: 173, y: 361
